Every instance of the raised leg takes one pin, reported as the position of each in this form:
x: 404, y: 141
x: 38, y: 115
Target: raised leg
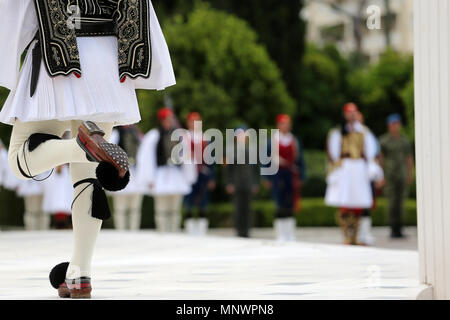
x: 48, y: 154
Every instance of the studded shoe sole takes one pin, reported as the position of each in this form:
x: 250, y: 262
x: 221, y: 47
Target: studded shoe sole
x: 90, y: 139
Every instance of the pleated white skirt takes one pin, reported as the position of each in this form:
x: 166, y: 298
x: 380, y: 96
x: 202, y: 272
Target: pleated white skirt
x: 349, y: 186
x: 97, y: 96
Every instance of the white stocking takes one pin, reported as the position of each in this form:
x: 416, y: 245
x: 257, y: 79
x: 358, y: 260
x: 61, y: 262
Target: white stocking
x: 85, y: 227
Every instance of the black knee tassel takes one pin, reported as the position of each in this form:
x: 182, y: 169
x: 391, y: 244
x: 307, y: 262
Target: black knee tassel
x: 100, y: 206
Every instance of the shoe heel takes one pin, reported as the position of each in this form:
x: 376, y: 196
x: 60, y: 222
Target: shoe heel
x: 92, y: 128
x: 80, y: 293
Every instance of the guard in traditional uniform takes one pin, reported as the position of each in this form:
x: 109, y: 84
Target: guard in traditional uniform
x: 84, y: 62
x: 167, y: 176
x: 128, y: 202
x: 199, y: 196
x: 350, y: 150
x: 286, y: 183
x: 398, y: 164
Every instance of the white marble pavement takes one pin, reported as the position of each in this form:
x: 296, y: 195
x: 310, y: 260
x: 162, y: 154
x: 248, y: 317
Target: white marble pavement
x: 147, y: 265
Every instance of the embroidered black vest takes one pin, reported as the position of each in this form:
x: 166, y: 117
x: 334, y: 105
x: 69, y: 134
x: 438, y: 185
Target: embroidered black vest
x: 164, y: 149
x: 58, y: 32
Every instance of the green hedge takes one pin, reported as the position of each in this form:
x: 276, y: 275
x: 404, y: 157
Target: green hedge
x: 314, y: 213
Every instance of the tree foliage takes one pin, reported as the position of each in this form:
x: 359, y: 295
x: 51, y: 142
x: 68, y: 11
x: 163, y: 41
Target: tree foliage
x: 278, y: 26
x: 222, y: 71
x: 378, y: 88
x: 323, y: 93
x: 407, y: 96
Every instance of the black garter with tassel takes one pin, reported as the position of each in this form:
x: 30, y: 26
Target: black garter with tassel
x: 34, y: 141
x: 100, y: 206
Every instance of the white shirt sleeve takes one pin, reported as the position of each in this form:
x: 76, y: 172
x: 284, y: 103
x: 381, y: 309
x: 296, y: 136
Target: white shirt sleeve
x: 334, y: 145
x: 370, y: 145
x: 161, y: 74
x: 18, y: 26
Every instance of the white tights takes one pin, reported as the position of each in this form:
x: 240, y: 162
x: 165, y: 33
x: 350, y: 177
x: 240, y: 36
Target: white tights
x: 51, y: 154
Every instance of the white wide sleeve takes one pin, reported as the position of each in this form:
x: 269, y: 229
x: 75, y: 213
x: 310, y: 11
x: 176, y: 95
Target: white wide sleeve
x: 334, y: 145
x: 375, y: 171
x: 18, y: 26
x: 146, y: 159
x: 9, y: 180
x: 161, y: 75
x: 370, y: 145
x: 3, y: 165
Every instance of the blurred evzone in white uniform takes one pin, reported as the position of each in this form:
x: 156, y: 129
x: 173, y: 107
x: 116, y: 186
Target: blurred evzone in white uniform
x: 7, y: 178
x: 349, y: 182
x: 348, y: 179
x: 165, y: 180
x: 32, y: 193
x: 128, y: 202
x: 57, y: 196
x: 30, y: 190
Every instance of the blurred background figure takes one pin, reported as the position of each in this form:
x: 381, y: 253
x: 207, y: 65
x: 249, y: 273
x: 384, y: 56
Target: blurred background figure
x: 350, y: 149
x: 198, y: 198
x: 398, y: 164
x: 32, y: 193
x: 57, y: 197
x: 128, y: 202
x: 242, y: 182
x: 376, y: 178
x: 7, y: 178
x: 287, y: 182
x: 167, y: 179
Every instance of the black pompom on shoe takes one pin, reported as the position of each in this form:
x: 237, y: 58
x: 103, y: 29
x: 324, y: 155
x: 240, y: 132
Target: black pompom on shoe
x: 58, y: 274
x: 109, y: 178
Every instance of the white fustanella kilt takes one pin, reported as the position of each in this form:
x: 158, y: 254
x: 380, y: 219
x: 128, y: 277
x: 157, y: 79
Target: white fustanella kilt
x: 97, y: 96
x: 349, y: 185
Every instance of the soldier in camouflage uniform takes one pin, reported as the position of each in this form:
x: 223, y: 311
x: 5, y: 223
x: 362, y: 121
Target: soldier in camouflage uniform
x: 398, y: 166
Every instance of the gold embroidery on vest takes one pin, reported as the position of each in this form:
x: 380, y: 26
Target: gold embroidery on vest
x: 353, y: 145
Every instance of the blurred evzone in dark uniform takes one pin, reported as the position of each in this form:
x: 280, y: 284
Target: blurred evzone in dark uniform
x: 166, y: 176
x: 351, y: 148
x: 198, y: 198
x: 286, y: 183
x: 398, y: 164
x: 128, y: 202
x: 242, y: 182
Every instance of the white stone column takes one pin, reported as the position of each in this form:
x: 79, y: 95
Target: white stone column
x: 432, y: 120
